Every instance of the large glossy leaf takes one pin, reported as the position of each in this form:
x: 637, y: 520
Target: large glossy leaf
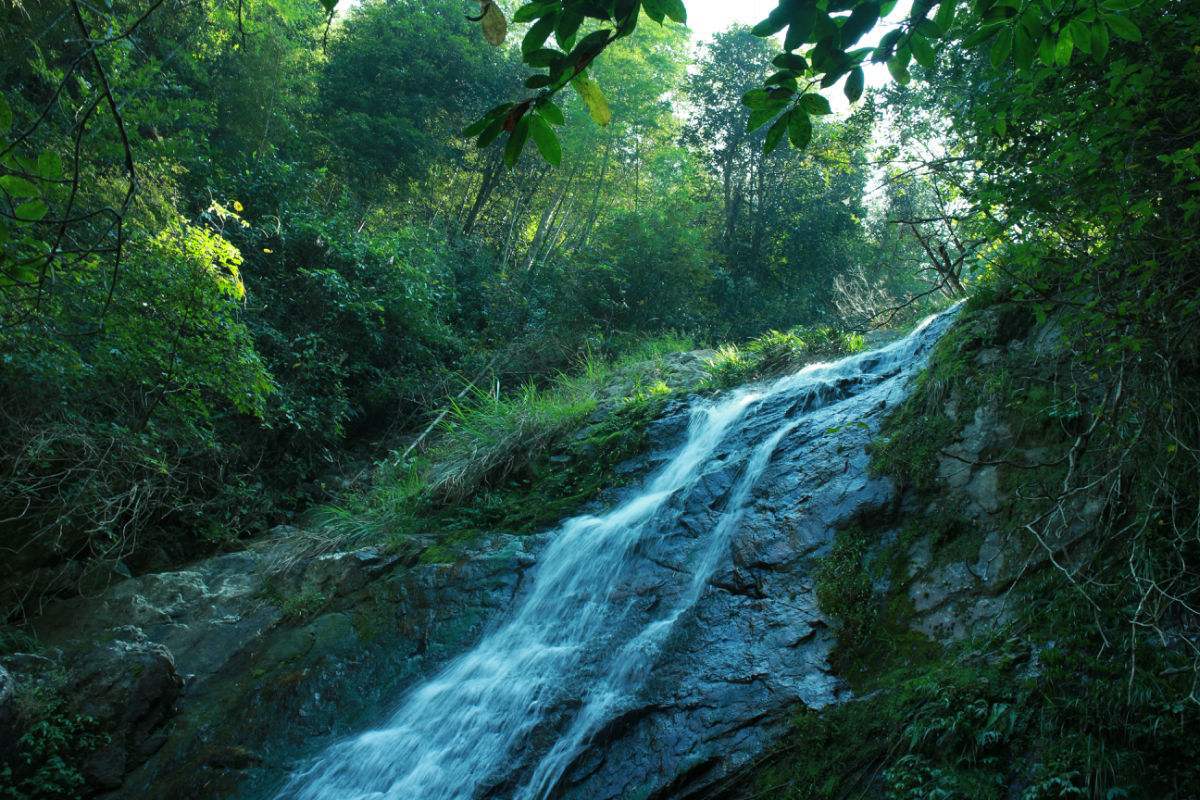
x: 854, y: 84
x: 799, y: 129
x: 1122, y: 27
x: 861, y: 20
x: 31, y: 211
x: 516, y: 142
x: 546, y: 140
x: 815, y: 104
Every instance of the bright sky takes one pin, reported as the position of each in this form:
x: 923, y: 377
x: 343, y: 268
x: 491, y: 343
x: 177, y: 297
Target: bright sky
x: 706, y: 17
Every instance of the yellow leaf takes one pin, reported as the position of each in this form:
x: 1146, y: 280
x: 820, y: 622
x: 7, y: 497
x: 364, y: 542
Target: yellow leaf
x: 237, y: 206
x: 596, y: 103
x: 268, y: 250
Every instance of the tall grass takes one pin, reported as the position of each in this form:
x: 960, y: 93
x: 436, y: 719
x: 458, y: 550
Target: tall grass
x: 487, y: 437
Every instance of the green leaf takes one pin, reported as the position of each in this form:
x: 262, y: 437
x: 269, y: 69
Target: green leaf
x: 1046, y: 49
x: 790, y: 61
x: 538, y: 81
x: 545, y: 57
x: 552, y: 113
x: 785, y: 78
x: 1122, y: 27
x: 776, y: 21
x: 1100, y: 40
x: 945, y: 14
x: 490, y: 133
x: 861, y: 20
x: 1031, y: 20
x: 898, y: 65
x: 50, y: 165
x: 5, y: 115
x: 532, y: 11
x: 854, y: 84
x: 761, y: 98
x: 676, y: 11
x: 1064, y: 48
x: 1001, y: 49
x: 800, y: 26
x: 775, y: 133
x: 329, y: 5
x: 1024, y: 48
x: 538, y: 34
x: 815, y: 104
x: 593, y: 98
x: 1081, y: 35
x: 18, y: 186
x: 477, y: 127
x: 546, y: 140
x: 31, y: 211
x: 516, y: 142
x: 655, y: 10
x: 567, y: 27
x: 760, y: 117
x: 981, y: 35
x: 922, y: 51
x: 486, y: 120
x: 658, y: 9
x: 886, y: 45
x: 799, y: 129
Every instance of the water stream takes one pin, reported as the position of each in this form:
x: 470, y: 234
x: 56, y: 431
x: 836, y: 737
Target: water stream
x: 509, y: 718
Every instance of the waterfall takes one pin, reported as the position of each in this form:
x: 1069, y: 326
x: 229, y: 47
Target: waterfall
x: 510, y: 717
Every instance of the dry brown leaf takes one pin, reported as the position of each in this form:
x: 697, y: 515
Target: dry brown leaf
x: 495, y: 26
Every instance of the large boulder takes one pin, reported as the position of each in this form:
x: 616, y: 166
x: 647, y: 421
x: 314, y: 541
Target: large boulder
x: 129, y: 686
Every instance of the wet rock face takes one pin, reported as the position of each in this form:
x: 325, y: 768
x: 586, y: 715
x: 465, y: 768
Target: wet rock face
x: 756, y: 644
x: 209, y: 681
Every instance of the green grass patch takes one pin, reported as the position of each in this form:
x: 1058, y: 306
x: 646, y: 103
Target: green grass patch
x: 776, y: 352
x: 516, y: 462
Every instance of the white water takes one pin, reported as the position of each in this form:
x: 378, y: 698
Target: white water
x: 472, y: 726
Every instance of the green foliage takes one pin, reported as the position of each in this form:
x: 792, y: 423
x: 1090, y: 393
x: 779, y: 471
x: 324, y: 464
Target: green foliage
x: 843, y: 588
x: 402, y: 78
x: 46, y: 760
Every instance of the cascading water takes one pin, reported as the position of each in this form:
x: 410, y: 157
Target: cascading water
x: 510, y: 717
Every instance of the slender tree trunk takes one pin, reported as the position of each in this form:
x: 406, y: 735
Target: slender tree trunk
x: 758, y: 211
x: 594, y: 212
x: 545, y: 222
x: 727, y: 202
x: 491, y: 176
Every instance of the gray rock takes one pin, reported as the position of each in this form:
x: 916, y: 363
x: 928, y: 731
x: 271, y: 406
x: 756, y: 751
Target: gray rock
x: 129, y: 687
